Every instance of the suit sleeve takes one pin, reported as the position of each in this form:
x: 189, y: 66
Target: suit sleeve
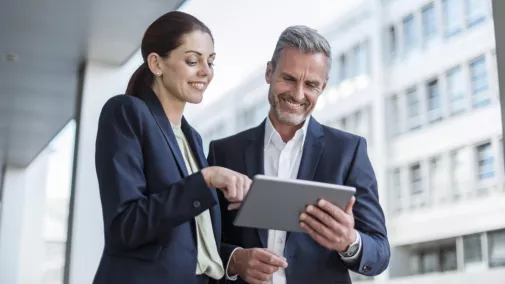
x: 135, y: 215
x: 368, y: 214
x: 226, y: 249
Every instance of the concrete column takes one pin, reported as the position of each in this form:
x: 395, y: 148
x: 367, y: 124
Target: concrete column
x: 499, y: 25
x: 21, y: 223
x: 85, y: 238
x: 378, y: 114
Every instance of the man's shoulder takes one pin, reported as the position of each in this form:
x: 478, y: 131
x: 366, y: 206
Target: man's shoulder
x: 236, y: 139
x: 340, y: 135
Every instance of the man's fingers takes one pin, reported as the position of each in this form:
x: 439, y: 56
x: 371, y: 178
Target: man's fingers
x: 234, y: 206
x: 240, y: 188
x: 348, y: 208
x: 270, y: 258
x: 338, y: 214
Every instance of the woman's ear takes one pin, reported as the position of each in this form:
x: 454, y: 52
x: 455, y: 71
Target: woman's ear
x: 154, y: 64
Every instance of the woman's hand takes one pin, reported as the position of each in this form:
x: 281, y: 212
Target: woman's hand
x: 234, y: 185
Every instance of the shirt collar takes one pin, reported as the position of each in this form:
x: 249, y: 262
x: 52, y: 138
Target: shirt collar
x: 271, y: 132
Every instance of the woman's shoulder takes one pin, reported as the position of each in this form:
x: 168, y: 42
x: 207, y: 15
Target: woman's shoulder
x: 125, y: 103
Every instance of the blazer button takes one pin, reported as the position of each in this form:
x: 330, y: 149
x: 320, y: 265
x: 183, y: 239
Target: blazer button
x: 367, y: 268
x: 196, y: 204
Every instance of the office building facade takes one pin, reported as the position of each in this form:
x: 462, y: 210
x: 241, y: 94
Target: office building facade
x: 418, y: 79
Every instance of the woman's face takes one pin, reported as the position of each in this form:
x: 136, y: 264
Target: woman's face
x: 187, y: 71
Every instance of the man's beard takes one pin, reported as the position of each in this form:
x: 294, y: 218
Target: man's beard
x: 285, y: 116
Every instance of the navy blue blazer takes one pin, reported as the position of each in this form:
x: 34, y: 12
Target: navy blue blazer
x: 330, y: 156
x: 149, y: 201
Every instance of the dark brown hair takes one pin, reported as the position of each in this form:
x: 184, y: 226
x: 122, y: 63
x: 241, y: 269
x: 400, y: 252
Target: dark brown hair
x: 161, y: 37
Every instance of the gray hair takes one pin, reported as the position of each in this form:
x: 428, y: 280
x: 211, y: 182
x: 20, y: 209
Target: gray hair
x: 303, y: 38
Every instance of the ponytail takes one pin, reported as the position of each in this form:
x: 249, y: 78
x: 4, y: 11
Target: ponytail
x: 142, y: 77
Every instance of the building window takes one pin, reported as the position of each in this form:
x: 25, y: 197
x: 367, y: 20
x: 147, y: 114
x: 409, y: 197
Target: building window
x: 360, y: 52
x: 437, y: 184
x: 460, y: 171
x: 448, y: 259
x: 394, y: 113
x: 479, y: 79
x: 456, y: 90
x: 409, y: 33
x: 432, y: 260
x: 416, y: 179
x: 496, y: 241
x: 413, y: 109
x: 392, y: 42
x: 472, y: 249
x: 452, y: 16
x: 342, y: 68
x: 475, y: 12
x: 485, y: 162
x: 429, y: 20
x: 397, y: 189
x: 434, y: 108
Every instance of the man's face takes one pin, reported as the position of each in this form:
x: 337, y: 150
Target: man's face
x: 295, y: 85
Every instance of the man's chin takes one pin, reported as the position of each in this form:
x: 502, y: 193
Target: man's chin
x: 291, y: 119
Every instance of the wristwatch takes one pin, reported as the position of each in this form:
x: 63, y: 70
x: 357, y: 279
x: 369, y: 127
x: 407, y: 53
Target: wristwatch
x: 353, y: 247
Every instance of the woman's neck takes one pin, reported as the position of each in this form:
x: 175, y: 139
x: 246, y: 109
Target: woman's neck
x: 172, y: 106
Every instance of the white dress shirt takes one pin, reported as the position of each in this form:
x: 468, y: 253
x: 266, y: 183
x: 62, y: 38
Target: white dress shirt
x: 282, y: 159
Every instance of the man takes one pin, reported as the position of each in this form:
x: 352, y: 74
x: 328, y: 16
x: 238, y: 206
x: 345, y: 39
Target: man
x: 292, y: 144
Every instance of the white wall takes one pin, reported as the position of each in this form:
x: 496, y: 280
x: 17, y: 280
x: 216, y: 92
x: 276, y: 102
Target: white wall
x: 21, y: 223
x: 100, y: 83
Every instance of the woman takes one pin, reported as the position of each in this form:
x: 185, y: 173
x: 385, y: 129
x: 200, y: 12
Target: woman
x: 161, y: 218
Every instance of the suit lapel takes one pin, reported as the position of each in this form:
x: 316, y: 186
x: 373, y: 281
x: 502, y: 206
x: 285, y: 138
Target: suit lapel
x: 154, y: 105
x: 312, y: 151
x: 255, y: 165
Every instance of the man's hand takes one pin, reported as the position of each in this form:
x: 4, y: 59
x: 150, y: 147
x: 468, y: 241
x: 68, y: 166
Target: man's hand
x: 330, y: 226
x: 255, y: 265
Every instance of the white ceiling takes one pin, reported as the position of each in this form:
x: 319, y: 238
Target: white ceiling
x: 52, y: 40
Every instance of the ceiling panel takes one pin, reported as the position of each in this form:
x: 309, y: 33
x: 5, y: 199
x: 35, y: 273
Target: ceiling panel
x: 51, y: 40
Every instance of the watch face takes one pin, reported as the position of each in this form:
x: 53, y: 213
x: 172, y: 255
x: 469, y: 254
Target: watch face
x: 352, y: 250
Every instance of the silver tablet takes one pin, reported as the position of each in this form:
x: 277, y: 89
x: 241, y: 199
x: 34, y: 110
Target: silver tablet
x: 276, y: 203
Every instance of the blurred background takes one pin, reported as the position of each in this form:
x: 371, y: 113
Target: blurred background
x: 419, y: 79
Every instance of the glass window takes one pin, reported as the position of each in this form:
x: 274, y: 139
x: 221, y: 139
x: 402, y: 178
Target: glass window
x: 429, y: 20
x: 430, y: 262
x: 409, y: 33
x: 413, y: 109
x: 472, y: 248
x: 342, y: 68
x: 448, y: 259
x: 437, y: 184
x: 496, y: 241
x: 460, y: 171
x: 456, y: 90
x: 361, y: 58
x: 485, y: 162
x: 434, y: 108
x: 416, y: 179
x: 392, y: 42
x: 479, y: 80
x: 397, y: 188
x: 452, y: 16
x: 394, y: 115
x: 475, y: 12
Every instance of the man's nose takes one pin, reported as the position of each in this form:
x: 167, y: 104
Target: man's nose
x: 299, y: 92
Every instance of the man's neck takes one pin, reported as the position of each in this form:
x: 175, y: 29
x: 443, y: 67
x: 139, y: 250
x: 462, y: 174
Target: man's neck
x: 286, y: 131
